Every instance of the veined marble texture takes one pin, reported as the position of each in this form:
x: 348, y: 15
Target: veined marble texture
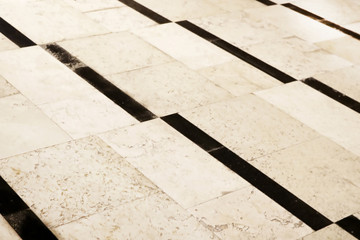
x: 332, y: 232
x: 6, y: 231
x: 6, y: 44
x: 6, y: 89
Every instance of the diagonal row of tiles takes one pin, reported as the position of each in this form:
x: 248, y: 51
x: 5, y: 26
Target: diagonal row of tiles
x: 201, y: 82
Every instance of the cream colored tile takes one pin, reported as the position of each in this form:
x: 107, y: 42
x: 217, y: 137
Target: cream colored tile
x: 319, y: 172
x: 115, y: 53
x: 338, y: 11
x: 345, y: 80
x: 295, y: 57
x: 249, y: 214
x: 332, y: 232
x: 181, y: 169
x: 6, y: 44
x: 343, y: 47
x: 326, y: 116
x: 45, y: 21
x: 25, y: 128
x: 6, y: 231
x: 236, y: 6
x: 182, y: 9
x: 237, y: 29
x: 354, y: 27
x: 169, y: 88
x: 249, y: 126
x: 6, y: 89
x: 357, y: 215
x: 293, y: 22
x: 155, y: 217
x: 121, y: 19
x: 238, y: 77
x: 91, y: 5
x: 184, y: 46
x: 69, y: 181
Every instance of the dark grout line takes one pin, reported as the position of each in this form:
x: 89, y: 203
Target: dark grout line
x: 350, y: 224
x: 145, y: 11
x: 302, y: 11
x: 332, y: 93
x: 100, y: 83
x: 19, y: 216
x: 259, y: 64
x: 14, y: 35
x: 269, y: 187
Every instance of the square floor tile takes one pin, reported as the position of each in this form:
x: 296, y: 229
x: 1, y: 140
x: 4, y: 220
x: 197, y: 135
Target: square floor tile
x: 6, y: 231
x: 25, y: 128
x: 319, y: 172
x: 121, y: 19
x: 332, y: 232
x: 181, y: 169
x: 249, y: 126
x: 169, y: 88
x: 69, y: 181
x: 6, y: 44
x: 6, y: 89
x: 249, y: 214
x: 115, y: 53
x: 239, y: 77
x: 91, y: 5
x: 323, y: 114
x: 184, y: 46
x: 155, y: 217
x: 38, y: 20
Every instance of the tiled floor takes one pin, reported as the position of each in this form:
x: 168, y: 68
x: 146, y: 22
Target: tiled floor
x: 155, y: 119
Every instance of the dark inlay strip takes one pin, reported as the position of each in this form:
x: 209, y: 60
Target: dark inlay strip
x: 14, y: 35
x: 322, y: 20
x: 10, y: 202
x: 100, y: 83
x: 283, y: 197
x: 274, y: 72
x: 145, y: 11
x: 267, y: 2
x: 350, y: 224
x: 332, y: 93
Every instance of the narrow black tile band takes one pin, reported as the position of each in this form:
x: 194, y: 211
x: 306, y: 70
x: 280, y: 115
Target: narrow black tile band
x: 332, y: 93
x: 342, y: 29
x: 10, y: 202
x: 145, y: 11
x: 350, y: 224
x: 302, y: 11
x: 267, y: 2
x: 274, y: 72
x: 14, y: 35
x: 100, y: 83
x: 269, y: 187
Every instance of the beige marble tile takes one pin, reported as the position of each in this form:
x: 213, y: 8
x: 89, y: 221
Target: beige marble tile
x: 343, y: 47
x: 236, y: 6
x: 319, y: 172
x: 6, y: 89
x: 338, y: 11
x: 120, y: 19
x: 6, y: 231
x: 297, y: 58
x: 69, y: 181
x: 332, y: 232
x: 25, y: 128
x: 249, y: 214
x: 115, y: 53
x: 91, y: 5
x: 293, y: 22
x: 357, y: 215
x: 181, y: 169
x: 345, y: 80
x: 169, y: 88
x: 354, y: 27
x: 184, y: 46
x: 182, y: 9
x: 238, y: 77
x: 249, y: 126
x: 155, y: 217
x: 39, y: 19
x: 238, y: 29
x: 326, y: 116
x: 6, y: 44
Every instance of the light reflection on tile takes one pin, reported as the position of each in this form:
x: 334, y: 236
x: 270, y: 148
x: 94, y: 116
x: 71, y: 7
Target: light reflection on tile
x: 6, y: 231
x: 332, y: 232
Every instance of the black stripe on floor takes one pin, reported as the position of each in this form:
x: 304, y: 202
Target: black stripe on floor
x: 145, y: 11
x: 332, y: 93
x: 14, y: 35
x: 350, y: 224
x: 27, y: 225
x: 321, y: 20
x: 267, y: 2
x: 100, y: 83
x: 269, y: 187
x: 274, y: 72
